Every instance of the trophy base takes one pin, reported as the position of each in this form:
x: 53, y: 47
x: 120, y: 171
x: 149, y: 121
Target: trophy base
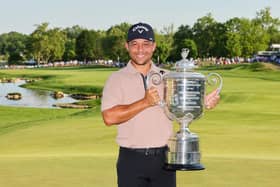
x: 184, y: 167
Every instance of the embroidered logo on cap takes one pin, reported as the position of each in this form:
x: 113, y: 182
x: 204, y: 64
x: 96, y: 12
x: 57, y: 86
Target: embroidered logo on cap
x: 140, y: 29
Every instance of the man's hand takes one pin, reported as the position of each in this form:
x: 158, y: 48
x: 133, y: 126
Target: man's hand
x: 121, y: 113
x: 212, y: 99
x: 151, y: 96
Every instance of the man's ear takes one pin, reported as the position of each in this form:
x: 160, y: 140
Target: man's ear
x: 126, y: 45
x: 155, y: 45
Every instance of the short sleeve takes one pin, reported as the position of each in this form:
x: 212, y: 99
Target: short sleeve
x: 112, y: 94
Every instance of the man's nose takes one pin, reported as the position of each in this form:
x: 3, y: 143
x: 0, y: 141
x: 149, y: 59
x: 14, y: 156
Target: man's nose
x: 140, y: 47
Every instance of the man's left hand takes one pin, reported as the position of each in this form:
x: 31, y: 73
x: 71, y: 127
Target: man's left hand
x: 212, y: 99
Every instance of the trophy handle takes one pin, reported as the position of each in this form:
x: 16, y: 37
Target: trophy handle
x: 155, y: 77
x: 215, y: 79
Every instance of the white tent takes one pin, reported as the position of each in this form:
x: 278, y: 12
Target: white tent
x: 275, y: 47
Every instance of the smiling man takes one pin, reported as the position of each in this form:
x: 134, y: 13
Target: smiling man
x: 143, y: 127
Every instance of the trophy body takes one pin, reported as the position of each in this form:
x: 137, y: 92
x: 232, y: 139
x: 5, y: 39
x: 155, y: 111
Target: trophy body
x: 183, y: 101
x: 184, y: 98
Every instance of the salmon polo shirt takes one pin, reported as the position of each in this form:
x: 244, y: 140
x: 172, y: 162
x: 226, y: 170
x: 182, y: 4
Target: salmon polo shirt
x: 149, y: 128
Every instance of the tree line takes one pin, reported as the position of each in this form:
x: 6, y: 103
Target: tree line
x: 237, y: 37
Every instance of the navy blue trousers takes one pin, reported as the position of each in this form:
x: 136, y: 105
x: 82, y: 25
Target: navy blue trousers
x: 136, y: 169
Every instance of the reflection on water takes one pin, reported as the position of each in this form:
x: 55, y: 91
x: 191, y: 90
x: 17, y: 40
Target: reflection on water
x: 30, y: 98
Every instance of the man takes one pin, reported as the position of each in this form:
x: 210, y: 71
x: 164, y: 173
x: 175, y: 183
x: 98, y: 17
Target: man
x: 143, y: 128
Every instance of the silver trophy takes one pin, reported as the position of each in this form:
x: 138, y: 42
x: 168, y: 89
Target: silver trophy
x: 183, y: 101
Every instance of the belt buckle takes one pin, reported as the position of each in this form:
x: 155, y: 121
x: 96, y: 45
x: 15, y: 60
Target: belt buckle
x: 147, y: 151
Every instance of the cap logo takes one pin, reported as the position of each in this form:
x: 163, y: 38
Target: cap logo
x: 140, y: 29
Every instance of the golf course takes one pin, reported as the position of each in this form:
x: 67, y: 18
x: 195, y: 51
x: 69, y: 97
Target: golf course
x: 50, y: 147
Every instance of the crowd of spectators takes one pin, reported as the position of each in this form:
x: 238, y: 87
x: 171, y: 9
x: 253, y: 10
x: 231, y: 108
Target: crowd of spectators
x: 71, y: 63
x: 111, y: 63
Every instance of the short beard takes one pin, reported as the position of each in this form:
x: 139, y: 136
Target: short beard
x: 145, y: 63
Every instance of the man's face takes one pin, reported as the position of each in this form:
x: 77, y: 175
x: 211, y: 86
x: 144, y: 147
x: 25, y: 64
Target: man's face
x: 140, y: 51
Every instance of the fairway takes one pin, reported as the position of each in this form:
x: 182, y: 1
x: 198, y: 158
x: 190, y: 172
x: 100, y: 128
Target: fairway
x: 239, y: 139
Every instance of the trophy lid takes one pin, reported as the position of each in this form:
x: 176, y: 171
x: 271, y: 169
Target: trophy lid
x: 184, y: 64
x: 184, y: 68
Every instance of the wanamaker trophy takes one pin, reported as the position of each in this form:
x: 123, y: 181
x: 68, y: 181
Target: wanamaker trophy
x: 183, y: 101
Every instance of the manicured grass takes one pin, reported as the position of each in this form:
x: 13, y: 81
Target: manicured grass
x: 239, y: 139
x: 69, y: 79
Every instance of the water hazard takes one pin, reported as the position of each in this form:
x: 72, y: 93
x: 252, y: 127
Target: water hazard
x: 30, y: 98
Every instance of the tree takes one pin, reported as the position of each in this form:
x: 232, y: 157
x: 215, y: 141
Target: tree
x: 113, y: 44
x: 269, y: 24
x: 89, y: 45
x: 245, y: 37
x: 45, y: 45
x: 13, y: 43
x: 233, y: 43
x: 56, y: 45
x: 70, y: 45
x: 37, y: 43
x: 204, y: 35
x: 184, y: 32
x: 162, y: 50
x: 253, y: 37
x: 219, y: 40
x: 70, y: 50
x: 84, y: 46
x: 15, y: 58
x: 190, y: 44
x: 164, y: 41
x: 73, y: 32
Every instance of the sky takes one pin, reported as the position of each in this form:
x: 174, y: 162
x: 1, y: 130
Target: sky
x: 23, y: 15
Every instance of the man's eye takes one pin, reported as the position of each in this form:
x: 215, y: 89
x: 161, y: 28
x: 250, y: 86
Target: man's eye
x: 147, y: 44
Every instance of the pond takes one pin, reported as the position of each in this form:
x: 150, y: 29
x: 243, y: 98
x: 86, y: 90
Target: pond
x: 30, y: 98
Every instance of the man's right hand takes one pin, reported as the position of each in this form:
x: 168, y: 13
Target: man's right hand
x: 151, y: 96
x: 121, y: 113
